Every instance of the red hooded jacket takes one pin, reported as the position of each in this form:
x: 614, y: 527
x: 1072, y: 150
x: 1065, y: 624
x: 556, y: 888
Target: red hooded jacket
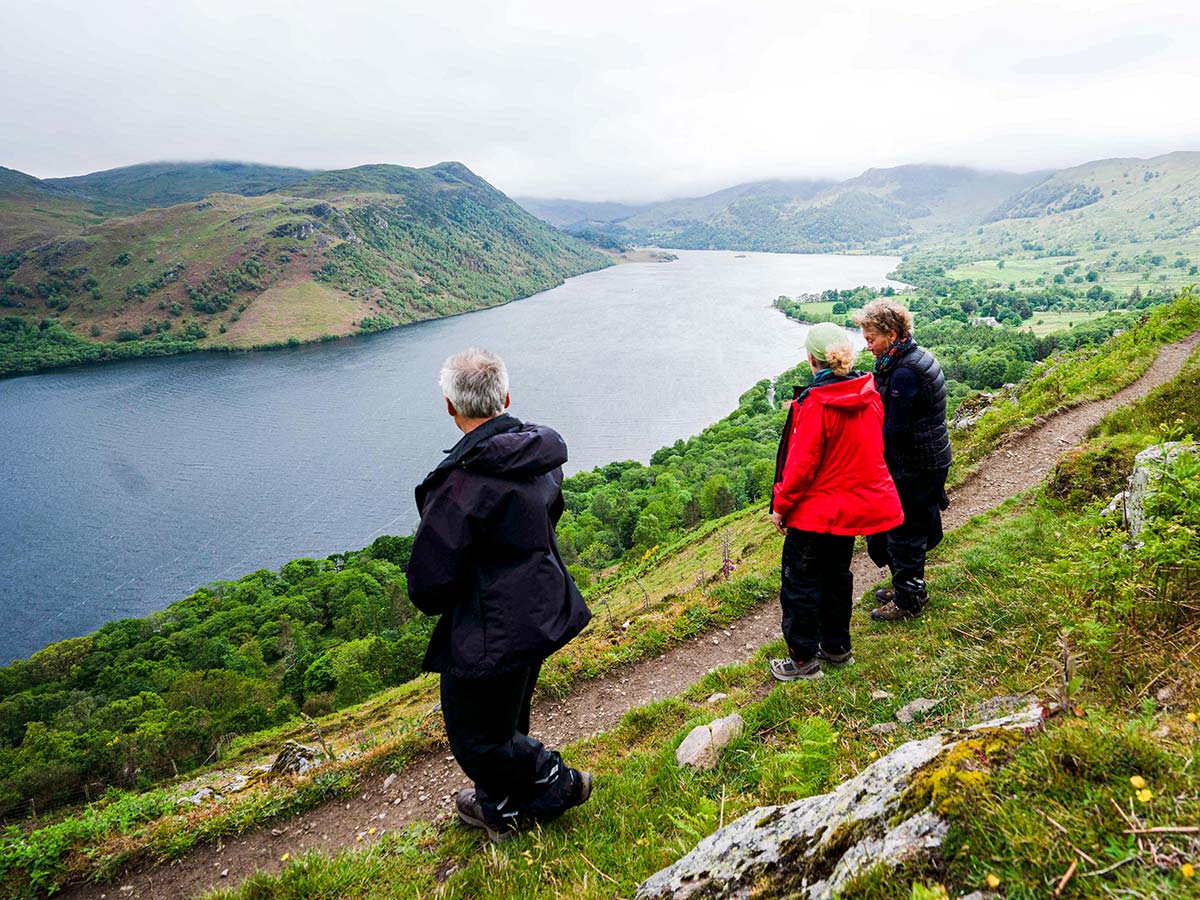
x: 833, y: 478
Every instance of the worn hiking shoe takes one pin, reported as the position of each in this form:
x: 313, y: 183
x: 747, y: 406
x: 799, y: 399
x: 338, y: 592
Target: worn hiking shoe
x: 885, y: 595
x: 470, y: 812
x: 837, y: 660
x: 890, y: 612
x: 790, y: 670
x: 585, y: 787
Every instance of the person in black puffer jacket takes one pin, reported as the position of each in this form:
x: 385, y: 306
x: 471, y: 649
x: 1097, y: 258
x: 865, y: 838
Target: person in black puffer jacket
x: 916, y: 447
x: 486, y: 560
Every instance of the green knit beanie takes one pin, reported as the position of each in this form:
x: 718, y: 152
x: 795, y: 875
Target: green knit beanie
x: 824, y: 336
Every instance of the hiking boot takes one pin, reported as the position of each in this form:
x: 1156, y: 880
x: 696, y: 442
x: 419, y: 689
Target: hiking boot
x: 790, y: 670
x: 885, y: 595
x: 585, y: 787
x: 470, y: 812
x: 890, y: 612
x: 837, y: 660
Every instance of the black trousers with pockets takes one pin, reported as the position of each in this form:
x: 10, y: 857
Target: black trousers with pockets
x: 487, y: 722
x: 816, y: 593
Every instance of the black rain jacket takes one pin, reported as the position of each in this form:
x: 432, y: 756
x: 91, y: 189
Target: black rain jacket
x: 485, y: 557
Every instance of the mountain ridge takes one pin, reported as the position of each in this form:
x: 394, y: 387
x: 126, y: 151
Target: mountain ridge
x: 337, y: 253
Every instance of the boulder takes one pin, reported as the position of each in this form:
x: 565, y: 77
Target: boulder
x: 702, y: 747
x: 971, y: 408
x: 1147, y: 470
x: 814, y: 847
x: 201, y: 796
x: 909, y: 711
x: 296, y: 759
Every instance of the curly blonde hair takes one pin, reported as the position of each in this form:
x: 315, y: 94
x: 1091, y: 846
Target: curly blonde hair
x: 840, y: 359
x: 884, y: 315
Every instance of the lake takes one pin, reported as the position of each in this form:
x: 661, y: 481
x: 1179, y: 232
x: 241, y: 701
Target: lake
x: 128, y: 485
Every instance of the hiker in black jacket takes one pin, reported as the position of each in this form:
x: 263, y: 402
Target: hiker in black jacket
x: 916, y: 446
x: 486, y: 560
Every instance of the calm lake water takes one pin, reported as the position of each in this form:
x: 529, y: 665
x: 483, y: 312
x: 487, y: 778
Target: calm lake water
x: 127, y: 486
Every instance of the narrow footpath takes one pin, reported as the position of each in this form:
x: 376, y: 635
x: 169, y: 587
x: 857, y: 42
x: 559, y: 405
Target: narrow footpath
x: 423, y: 790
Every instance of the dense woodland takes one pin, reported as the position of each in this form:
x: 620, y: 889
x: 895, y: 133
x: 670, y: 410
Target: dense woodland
x: 141, y: 699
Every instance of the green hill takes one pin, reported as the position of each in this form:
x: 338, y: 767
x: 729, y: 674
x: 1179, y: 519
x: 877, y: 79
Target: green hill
x: 1127, y: 223
x: 167, y: 183
x: 339, y: 253
x: 33, y: 211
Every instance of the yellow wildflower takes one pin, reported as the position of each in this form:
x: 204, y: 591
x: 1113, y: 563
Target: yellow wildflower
x: 1186, y: 870
x: 371, y: 830
x: 992, y: 881
x: 1192, y: 717
x: 285, y: 857
x: 1138, y: 782
x: 1145, y: 794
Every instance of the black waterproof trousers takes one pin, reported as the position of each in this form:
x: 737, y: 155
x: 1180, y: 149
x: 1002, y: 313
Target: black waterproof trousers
x: 903, y: 549
x: 816, y: 593
x: 487, y: 722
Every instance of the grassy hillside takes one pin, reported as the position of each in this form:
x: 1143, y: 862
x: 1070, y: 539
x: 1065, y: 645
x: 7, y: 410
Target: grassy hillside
x: 1041, y: 597
x: 1132, y: 224
x: 332, y: 631
x: 168, y: 183
x: 1010, y: 589
x: 339, y: 253
x: 33, y: 211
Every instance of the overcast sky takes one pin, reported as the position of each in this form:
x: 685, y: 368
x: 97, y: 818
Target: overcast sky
x: 609, y: 100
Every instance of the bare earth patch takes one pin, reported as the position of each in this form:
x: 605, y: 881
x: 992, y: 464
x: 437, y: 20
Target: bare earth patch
x: 304, y: 310
x: 424, y: 789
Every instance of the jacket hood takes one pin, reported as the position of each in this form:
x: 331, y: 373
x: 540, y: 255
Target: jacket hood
x: 848, y: 394
x: 509, y: 448
x: 524, y: 452
x: 504, y: 447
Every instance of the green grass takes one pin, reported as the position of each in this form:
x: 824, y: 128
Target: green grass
x: 1027, y: 270
x: 1044, y: 323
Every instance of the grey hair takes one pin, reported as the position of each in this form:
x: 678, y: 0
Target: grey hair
x: 476, y: 382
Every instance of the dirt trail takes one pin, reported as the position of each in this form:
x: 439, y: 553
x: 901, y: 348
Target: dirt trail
x: 423, y: 790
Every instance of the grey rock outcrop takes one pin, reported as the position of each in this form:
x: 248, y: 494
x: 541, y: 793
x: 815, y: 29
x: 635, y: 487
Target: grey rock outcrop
x: 971, y: 409
x: 296, y: 759
x: 1147, y: 472
x: 814, y: 847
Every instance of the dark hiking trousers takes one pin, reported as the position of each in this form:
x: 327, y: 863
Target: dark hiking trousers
x: 903, y: 549
x: 816, y: 593
x: 487, y: 722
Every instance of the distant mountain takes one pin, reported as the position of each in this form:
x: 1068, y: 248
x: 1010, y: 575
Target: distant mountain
x: 880, y: 208
x: 577, y: 213
x: 942, y: 196
x: 33, y: 211
x: 166, y: 183
x: 336, y: 253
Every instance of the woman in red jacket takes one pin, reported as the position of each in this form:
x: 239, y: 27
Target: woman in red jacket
x: 831, y: 483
